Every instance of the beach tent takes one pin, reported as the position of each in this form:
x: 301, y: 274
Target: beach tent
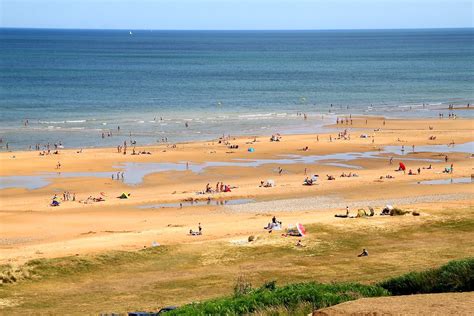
x: 54, y: 203
x: 402, y: 166
x: 301, y: 229
x: 123, y: 196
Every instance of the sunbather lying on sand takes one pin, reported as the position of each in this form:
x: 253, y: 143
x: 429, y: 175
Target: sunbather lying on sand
x: 194, y: 233
x: 343, y: 215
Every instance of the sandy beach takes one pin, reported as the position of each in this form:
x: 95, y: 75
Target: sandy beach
x: 110, y: 236
x: 31, y: 228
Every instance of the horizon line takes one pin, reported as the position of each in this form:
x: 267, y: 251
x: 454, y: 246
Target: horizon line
x: 236, y: 30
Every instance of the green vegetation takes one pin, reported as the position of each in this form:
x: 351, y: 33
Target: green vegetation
x: 290, y: 297
x: 455, y: 276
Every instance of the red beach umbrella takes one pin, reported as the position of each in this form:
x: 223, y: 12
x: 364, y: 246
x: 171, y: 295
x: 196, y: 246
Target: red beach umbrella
x: 402, y: 166
x: 301, y: 229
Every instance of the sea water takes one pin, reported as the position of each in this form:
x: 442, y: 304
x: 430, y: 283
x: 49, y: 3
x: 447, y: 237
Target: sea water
x: 74, y: 85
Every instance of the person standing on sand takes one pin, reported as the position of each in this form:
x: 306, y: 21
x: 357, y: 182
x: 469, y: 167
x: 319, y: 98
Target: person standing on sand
x: 391, y: 160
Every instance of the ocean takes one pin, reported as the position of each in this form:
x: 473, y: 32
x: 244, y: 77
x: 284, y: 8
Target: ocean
x: 74, y: 85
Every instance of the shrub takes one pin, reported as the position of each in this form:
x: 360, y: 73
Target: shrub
x: 456, y: 276
x: 242, y: 285
x: 288, y: 297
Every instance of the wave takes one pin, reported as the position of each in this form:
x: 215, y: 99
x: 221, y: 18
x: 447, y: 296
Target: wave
x: 76, y: 121
x: 51, y: 122
x: 256, y: 115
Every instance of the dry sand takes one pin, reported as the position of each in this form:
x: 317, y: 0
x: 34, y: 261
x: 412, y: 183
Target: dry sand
x: 421, y: 304
x: 30, y: 228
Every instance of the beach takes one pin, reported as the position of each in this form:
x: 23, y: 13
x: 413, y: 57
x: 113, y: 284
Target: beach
x: 30, y: 225
x: 164, y: 176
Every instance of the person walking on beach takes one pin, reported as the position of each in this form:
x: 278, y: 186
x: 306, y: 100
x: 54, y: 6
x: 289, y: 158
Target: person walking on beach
x: 391, y: 160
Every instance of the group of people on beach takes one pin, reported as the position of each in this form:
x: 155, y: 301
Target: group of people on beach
x: 344, y: 120
x: 220, y: 187
x: 275, y: 138
x: 120, y: 176
x: 450, y: 115
x: 197, y: 232
x: 67, y: 196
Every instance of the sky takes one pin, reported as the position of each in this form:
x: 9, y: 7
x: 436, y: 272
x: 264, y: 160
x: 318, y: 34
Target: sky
x: 236, y: 14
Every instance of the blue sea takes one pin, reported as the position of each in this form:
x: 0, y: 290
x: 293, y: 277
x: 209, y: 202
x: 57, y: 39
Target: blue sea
x: 74, y: 85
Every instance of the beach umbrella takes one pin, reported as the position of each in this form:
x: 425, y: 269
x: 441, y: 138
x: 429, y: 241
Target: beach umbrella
x: 301, y: 229
x: 402, y: 166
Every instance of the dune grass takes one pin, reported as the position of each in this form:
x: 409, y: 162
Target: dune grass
x: 303, y: 298
x: 291, y: 297
x: 455, y: 276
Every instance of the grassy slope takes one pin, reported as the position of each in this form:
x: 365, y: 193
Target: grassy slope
x: 148, y: 279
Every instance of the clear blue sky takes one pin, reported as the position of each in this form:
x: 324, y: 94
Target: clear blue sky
x: 236, y: 14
